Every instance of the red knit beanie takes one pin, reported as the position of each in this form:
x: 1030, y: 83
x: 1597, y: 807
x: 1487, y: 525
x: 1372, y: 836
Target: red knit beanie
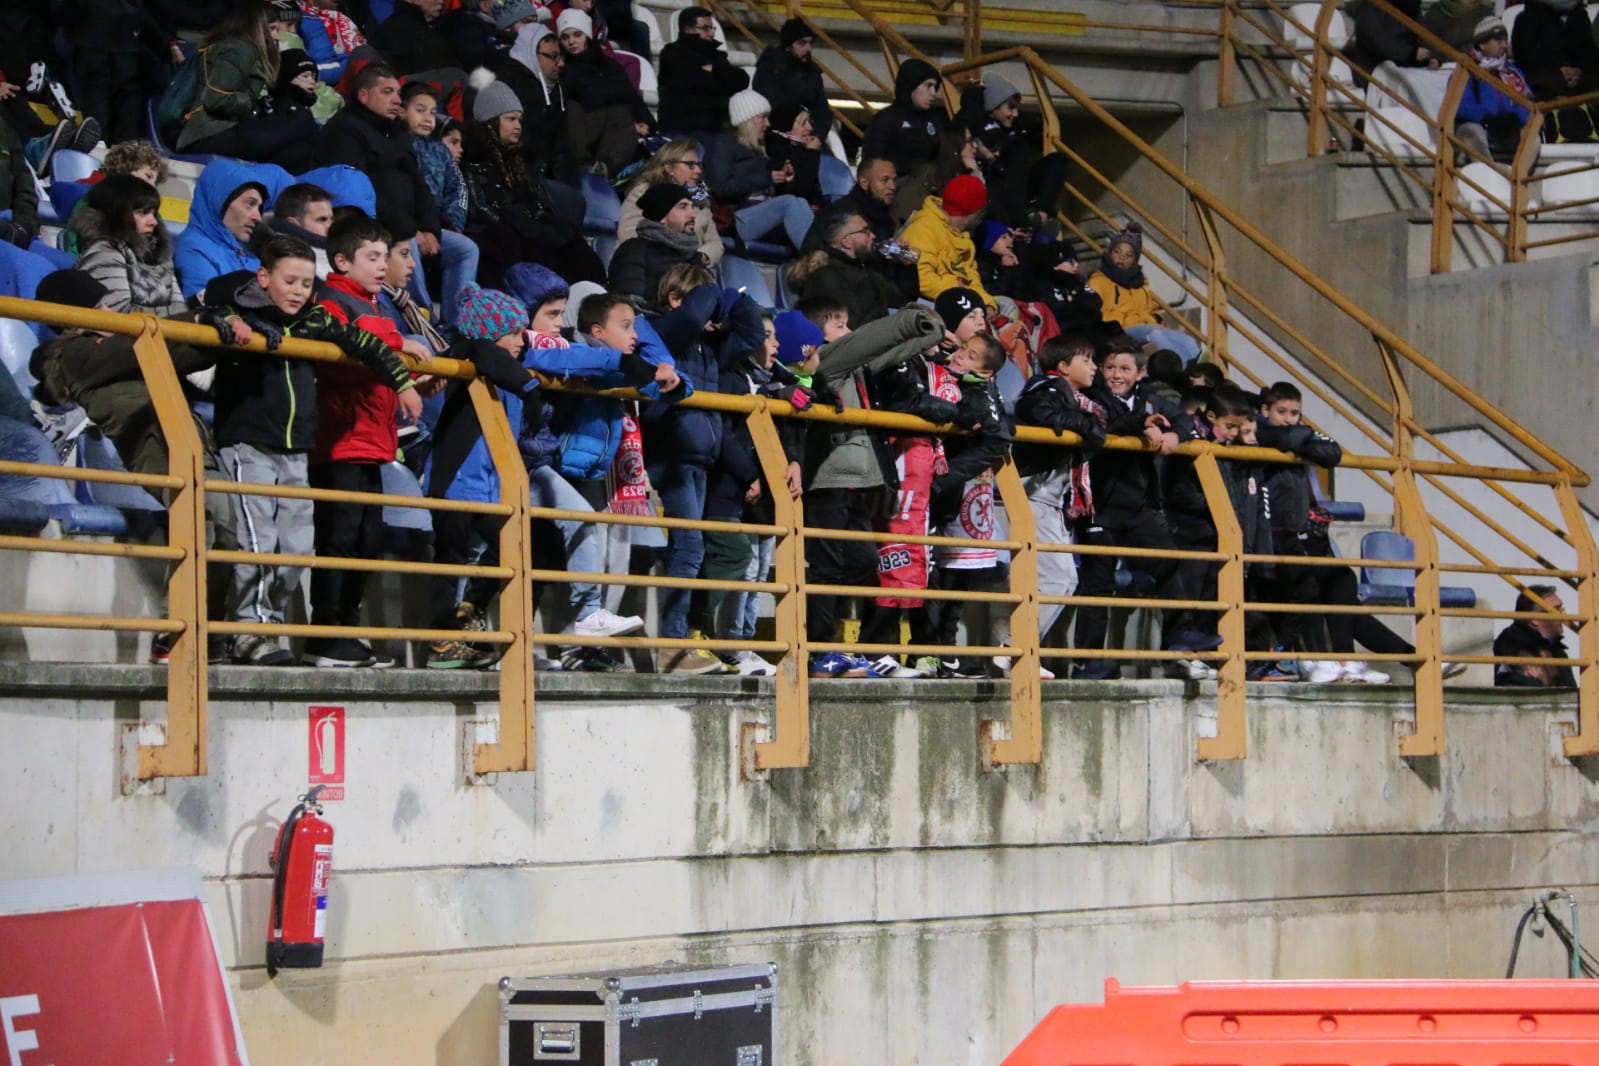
x: 964, y: 195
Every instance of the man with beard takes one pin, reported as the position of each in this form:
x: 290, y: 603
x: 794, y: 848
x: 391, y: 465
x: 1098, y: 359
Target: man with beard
x: 872, y: 198
x: 665, y: 239
x: 843, y: 272
x: 785, y: 74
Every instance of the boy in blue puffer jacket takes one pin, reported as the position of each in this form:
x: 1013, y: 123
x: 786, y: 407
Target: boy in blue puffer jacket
x: 710, y: 331
x: 545, y: 293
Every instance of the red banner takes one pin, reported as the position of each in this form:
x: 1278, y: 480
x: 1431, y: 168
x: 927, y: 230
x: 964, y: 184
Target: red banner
x: 142, y: 978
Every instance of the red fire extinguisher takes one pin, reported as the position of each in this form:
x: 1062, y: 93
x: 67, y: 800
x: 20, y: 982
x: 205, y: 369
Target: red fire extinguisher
x: 302, y: 861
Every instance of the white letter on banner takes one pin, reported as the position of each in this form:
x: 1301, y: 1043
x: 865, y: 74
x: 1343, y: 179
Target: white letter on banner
x: 18, y: 1040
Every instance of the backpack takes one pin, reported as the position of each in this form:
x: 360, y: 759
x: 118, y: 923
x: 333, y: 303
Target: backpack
x: 181, y: 98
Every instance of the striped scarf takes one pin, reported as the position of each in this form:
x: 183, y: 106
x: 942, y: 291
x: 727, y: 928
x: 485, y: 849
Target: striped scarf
x: 1080, y: 488
x: 416, y: 320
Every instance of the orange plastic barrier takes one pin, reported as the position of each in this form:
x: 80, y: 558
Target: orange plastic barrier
x: 1328, y: 1023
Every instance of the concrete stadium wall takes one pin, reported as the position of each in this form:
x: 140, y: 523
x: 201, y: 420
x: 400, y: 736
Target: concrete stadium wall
x: 920, y: 910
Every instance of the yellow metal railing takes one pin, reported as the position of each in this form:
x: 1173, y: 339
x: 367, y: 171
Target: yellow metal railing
x: 1257, y: 31
x: 1407, y: 476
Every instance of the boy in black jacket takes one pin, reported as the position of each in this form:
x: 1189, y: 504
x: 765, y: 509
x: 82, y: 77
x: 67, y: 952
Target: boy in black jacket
x: 1057, y: 479
x: 1127, y: 513
x: 266, y: 425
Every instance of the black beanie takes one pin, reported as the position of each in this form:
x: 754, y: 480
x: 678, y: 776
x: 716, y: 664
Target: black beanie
x: 953, y: 305
x: 660, y: 199
x: 292, y: 62
x: 71, y: 287
x: 793, y: 30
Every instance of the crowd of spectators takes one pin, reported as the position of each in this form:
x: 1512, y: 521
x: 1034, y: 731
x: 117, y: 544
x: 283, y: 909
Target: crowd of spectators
x: 406, y: 181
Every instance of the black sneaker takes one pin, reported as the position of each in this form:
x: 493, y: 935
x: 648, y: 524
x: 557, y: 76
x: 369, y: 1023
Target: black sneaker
x: 589, y: 661
x: 217, y: 649
x: 378, y: 661
x: 963, y: 669
x: 86, y: 138
x: 338, y: 652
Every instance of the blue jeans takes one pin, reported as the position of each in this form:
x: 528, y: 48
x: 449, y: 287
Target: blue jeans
x: 550, y: 489
x: 458, y: 258
x: 790, y: 212
x: 1184, y: 344
x: 746, y: 605
x: 682, y: 489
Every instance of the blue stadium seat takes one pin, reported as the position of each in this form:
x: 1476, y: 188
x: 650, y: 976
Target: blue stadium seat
x: 17, y: 342
x: 602, y: 210
x: 1394, y: 587
x: 604, y: 247
x: 144, y: 513
x: 155, y: 137
x: 1341, y: 510
x: 407, y: 531
x: 64, y: 196
x: 786, y: 296
x: 67, y: 164
x: 740, y: 273
x: 760, y: 251
x: 836, y: 178
x: 22, y: 443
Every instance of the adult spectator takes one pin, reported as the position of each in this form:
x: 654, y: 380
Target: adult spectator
x: 127, y: 248
x: 741, y: 176
x: 1553, y: 42
x: 227, y: 207
x: 1382, y: 38
x: 408, y: 40
x: 697, y: 79
x: 786, y: 74
x: 942, y: 232
x: 677, y: 163
x: 479, y: 30
x: 840, y: 274
x: 1534, y: 637
x: 872, y: 197
x: 19, y: 194
x: 605, y: 113
x: 957, y: 155
x: 370, y: 136
x: 330, y: 36
x: 232, y: 115
x: 305, y: 211
x: 907, y: 130
x: 665, y: 239
x: 1487, y: 120
x: 1455, y: 21
x: 509, y: 214
x: 532, y: 70
x: 105, y: 41
x: 792, y: 146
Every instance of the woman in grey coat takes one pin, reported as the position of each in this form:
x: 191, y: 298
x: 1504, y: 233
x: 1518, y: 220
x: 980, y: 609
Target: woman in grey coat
x: 126, y: 246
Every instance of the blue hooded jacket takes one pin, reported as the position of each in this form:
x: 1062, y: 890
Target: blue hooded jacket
x: 348, y: 186
x: 588, y: 429
x: 686, y: 434
x: 205, y: 248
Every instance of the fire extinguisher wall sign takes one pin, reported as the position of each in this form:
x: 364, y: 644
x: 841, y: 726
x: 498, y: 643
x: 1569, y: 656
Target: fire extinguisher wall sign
x: 325, y: 752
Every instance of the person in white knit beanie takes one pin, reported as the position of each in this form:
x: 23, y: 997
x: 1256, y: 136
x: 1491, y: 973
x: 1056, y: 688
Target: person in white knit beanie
x: 741, y: 176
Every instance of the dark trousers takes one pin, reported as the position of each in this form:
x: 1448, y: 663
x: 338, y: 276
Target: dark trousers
x: 344, y: 531
x: 838, y: 562
x: 727, y: 558
x: 461, y: 540
x: 1096, y: 576
x: 283, y: 139
x: 106, y: 87
x: 1297, y: 584
x: 1195, y: 577
x: 1339, y: 585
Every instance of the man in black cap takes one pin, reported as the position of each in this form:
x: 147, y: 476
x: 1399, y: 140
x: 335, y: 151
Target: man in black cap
x: 786, y: 74
x: 697, y: 79
x: 665, y: 239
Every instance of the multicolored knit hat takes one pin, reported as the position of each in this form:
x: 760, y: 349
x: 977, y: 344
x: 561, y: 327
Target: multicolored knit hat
x: 488, y: 314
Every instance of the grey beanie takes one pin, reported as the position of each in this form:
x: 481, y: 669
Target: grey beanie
x: 996, y: 90
x: 511, y: 13
x: 494, y: 99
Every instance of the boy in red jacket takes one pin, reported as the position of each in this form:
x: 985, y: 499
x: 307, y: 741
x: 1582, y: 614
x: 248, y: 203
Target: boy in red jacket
x: 356, y: 436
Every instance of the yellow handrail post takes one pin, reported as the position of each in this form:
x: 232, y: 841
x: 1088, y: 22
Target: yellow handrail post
x: 1232, y: 731
x: 1216, y: 287
x: 1025, y: 744
x: 972, y: 31
x: 1321, y: 62
x: 1520, y: 196
x: 1411, y: 520
x: 514, y: 751
x: 1443, y: 173
x: 790, y: 745
x: 1227, y: 56
x: 1046, y: 107
x: 183, y: 751
x: 1586, y: 740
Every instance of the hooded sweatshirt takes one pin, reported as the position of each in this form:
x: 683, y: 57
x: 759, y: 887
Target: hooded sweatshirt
x: 545, y: 139
x: 900, y: 131
x: 206, y: 248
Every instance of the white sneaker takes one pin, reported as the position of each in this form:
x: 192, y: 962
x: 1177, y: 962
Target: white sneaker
x: 1324, y: 672
x: 1453, y: 670
x: 1003, y: 662
x: 1190, y: 670
x: 1362, y: 674
x: 752, y: 665
x: 888, y: 666
x: 602, y: 623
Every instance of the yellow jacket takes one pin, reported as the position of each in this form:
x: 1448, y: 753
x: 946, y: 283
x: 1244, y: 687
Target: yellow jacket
x: 949, y: 258
x: 1125, y: 307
